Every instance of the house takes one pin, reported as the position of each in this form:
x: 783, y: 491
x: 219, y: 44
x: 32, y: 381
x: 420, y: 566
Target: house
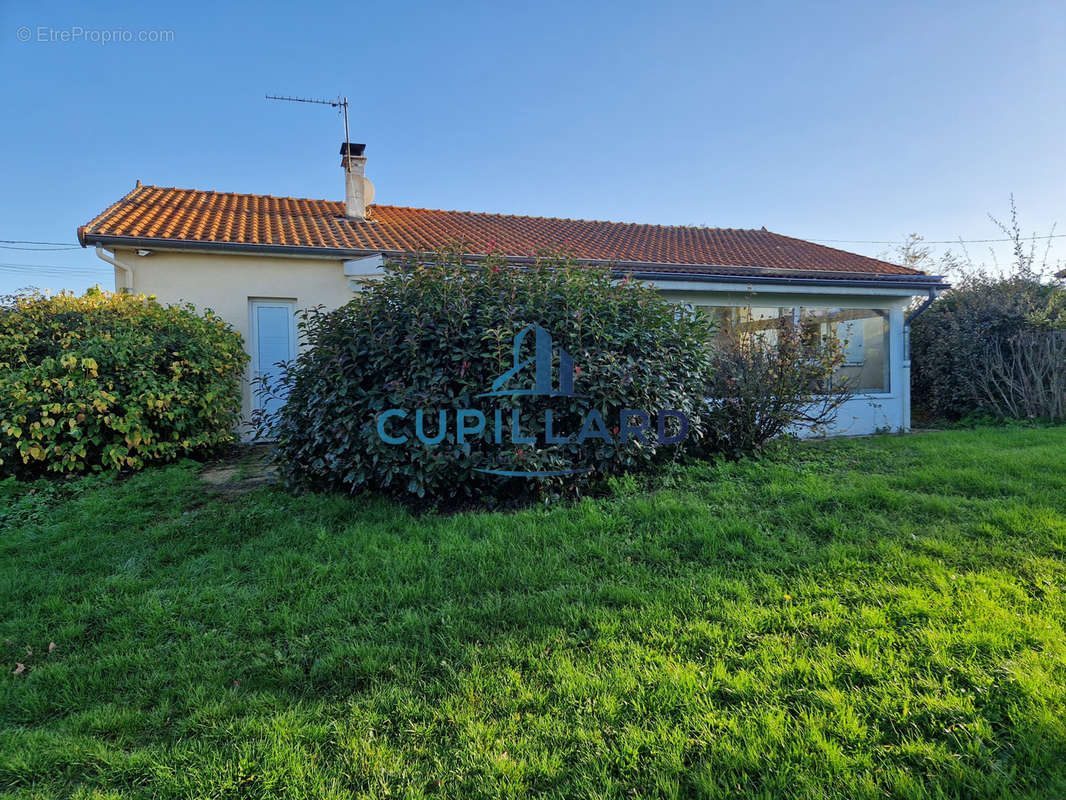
x: 256, y: 259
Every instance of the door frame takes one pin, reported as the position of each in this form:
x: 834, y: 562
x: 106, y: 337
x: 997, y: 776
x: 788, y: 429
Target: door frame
x: 253, y: 334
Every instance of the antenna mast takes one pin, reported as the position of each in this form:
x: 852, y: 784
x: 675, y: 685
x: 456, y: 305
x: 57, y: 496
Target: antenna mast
x: 340, y: 102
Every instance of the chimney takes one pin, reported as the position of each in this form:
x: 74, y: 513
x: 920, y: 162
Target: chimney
x: 355, y: 184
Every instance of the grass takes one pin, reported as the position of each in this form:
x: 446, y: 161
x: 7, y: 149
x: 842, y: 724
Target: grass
x: 859, y: 619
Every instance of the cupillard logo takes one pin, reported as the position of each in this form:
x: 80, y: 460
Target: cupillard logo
x: 517, y: 429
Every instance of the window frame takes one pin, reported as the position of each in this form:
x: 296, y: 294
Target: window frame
x: 891, y: 389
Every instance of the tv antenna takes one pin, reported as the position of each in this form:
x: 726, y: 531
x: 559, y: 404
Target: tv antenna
x: 340, y: 102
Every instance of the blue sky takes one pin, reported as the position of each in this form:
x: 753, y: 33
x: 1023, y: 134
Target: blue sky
x: 855, y: 120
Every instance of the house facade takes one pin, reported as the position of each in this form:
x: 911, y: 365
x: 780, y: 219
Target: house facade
x: 257, y: 259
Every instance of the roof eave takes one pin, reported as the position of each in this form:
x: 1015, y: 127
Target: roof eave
x: 920, y: 283
x: 642, y: 270
x: 88, y: 238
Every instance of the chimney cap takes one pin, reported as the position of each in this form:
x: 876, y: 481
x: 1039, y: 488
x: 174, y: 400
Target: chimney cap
x: 352, y: 149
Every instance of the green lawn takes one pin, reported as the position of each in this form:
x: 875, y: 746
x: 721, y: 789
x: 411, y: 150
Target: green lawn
x: 857, y: 619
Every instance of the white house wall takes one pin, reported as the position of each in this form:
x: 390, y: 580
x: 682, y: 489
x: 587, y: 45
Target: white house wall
x: 227, y: 283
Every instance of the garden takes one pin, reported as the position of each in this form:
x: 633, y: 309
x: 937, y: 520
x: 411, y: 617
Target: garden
x: 868, y: 618
x: 728, y: 612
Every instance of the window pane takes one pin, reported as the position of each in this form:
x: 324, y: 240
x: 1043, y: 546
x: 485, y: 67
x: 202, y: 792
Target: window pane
x: 864, y: 338
x: 749, y: 321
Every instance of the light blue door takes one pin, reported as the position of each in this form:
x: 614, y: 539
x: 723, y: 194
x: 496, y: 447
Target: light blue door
x: 273, y: 338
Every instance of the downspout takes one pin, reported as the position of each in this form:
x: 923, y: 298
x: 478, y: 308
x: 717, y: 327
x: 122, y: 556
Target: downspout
x: 126, y: 268
x: 907, y: 356
x: 920, y: 309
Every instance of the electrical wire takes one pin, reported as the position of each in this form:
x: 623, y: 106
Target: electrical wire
x: 57, y: 269
x: 27, y: 241
x: 943, y: 241
x: 38, y: 249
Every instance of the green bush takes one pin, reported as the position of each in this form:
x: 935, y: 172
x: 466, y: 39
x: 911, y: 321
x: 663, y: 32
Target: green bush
x: 967, y: 330
x: 434, y: 335
x: 111, y: 381
x: 762, y: 389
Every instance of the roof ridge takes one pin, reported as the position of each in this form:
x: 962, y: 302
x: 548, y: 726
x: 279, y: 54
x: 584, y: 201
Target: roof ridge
x: 236, y: 194
x: 450, y: 210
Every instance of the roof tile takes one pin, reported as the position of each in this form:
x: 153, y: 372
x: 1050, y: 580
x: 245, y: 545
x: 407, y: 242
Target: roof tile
x: 184, y: 215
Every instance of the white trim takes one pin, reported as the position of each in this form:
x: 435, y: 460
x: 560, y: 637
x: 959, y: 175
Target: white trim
x: 742, y: 289
x: 221, y: 251
x: 368, y: 265
x: 362, y: 271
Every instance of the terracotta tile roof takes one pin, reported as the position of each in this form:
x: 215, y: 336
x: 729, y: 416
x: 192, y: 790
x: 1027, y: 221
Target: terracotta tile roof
x: 263, y: 222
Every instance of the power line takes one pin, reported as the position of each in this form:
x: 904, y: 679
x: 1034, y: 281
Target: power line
x: 8, y: 266
x: 52, y: 266
x: 38, y: 249
x: 27, y: 241
x: 932, y: 241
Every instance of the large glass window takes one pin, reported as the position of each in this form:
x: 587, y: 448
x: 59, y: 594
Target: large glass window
x: 863, y: 335
x: 761, y: 322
